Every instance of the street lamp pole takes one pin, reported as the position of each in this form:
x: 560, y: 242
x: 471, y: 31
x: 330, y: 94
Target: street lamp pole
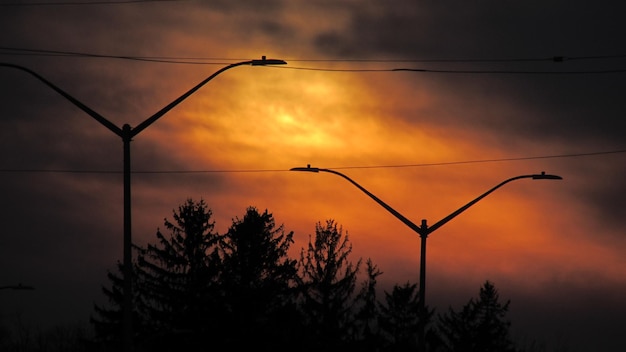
x: 424, y: 230
x: 127, y: 133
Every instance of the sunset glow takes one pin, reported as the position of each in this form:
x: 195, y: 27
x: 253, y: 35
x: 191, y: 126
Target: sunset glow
x: 426, y: 142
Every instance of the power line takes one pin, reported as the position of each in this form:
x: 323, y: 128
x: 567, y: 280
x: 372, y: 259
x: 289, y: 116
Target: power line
x: 72, y: 3
x: 225, y: 61
x: 170, y: 60
x: 445, y: 163
x: 521, y: 72
x: 178, y: 59
x: 484, y: 160
x: 584, y: 72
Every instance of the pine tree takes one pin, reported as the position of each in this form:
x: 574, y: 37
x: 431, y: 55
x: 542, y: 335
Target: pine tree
x: 177, y: 279
x: 400, y: 317
x: 329, y: 280
x: 107, y: 319
x: 258, y: 282
x: 480, y: 325
x: 367, y: 335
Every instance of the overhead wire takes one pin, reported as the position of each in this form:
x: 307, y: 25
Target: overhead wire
x: 443, y: 163
x: 178, y: 59
x: 224, y: 61
x: 79, y: 3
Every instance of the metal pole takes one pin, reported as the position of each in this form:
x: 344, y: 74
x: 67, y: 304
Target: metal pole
x: 422, y: 292
x: 127, y: 309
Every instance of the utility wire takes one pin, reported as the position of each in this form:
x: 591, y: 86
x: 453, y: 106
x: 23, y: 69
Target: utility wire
x: 208, y: 60
x: 170, y: 60
x: 225, y: 61
x: 514, y: 72
x: 71, y: 3
x: 484, y: 160
x: 445, y: 163
x: 522, y: 72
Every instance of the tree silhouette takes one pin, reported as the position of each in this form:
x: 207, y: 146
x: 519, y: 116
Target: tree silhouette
x: 479, y: 326
x: 367, y: 328
x: 107, y: 320
x: 177, y: 279
x: 328, y: 285
x: 195, y: 290
x: 258, y: 282
x: 399, y: 320
x: 175, y: 286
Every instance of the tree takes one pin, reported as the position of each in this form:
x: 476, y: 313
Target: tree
x: 367, y: 333
x: 107, y: 320
x: 174, y: 285
x: 400, y: 317
x: 328, y: 284
x: 258, y: 282
x: 480, y: 325
x: 178, y: 277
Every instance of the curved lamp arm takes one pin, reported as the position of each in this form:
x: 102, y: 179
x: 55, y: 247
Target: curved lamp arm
x: 425, y: 230
x: 108, y: 124
x: 262, y: 62
x: 542, y: 176
x: 401, y: 217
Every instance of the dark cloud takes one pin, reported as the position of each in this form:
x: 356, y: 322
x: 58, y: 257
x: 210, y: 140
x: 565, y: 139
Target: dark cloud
x: 604, y: 195
x: 563, y: 107
x: 431, y: 30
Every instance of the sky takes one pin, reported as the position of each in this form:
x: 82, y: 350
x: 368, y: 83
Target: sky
x: 425, y: 104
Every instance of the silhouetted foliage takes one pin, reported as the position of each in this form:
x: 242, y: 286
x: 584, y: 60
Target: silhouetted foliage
x: 174, y: 285
x: 479, y: 326
x: 328, y: 285
x: 107, y: 322
x: 196, y: 290
x: 258, y: 282
x: 367, y: 332
x: 399, y: 319
x: 177, y: 279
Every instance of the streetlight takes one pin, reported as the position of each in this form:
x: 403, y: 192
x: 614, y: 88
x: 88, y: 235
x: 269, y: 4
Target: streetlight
x: 424, y: 230
x: 127, y: 133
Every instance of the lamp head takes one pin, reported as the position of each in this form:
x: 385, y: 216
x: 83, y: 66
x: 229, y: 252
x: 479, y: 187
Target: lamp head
x: 544, y: 176
x: 308, y: 168
x: 265, y: 61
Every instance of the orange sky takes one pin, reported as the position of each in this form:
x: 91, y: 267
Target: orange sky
x: 420, y: 141
x: 274, y: 118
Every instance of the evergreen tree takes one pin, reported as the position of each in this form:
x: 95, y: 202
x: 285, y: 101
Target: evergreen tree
x: 177, y: 279
x: 328, y: 284
x: 107, y: 320
x: 174, y: 284
x: 258, y: 282
x: 400, y: 317
x: 367, y: 334
x: 480, y: 325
